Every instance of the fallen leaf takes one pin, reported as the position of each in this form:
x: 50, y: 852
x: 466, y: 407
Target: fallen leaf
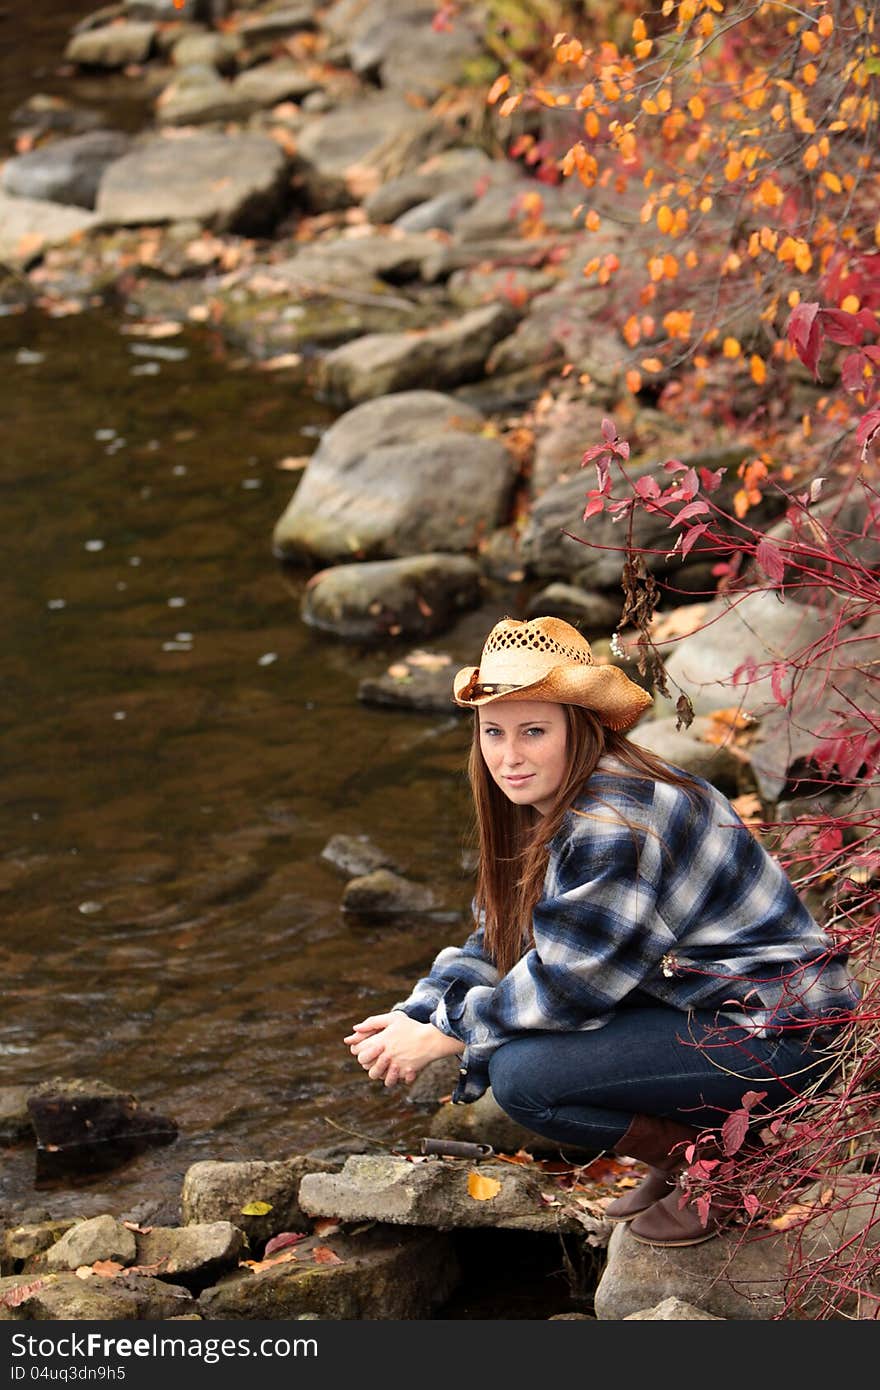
x: 279, y: 363
x: 400, y: 671
x: 167, y: 328
x: 148, y: 1269
x: 13, y: 1297
x: 283, y: 1257
x: 84, y: 1271
x: 256, y: 1209
x: 140, y: 1230
x: 323, y: 1255
x: 681, y: 622
x: 482, y: 1189
x: 281, y: 1242
x: 293, y: 463
x: 798, y: 1211
x: 107, y: 1268
x: 326, y: 1226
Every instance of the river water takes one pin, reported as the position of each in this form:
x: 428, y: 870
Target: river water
x: 178, y: 748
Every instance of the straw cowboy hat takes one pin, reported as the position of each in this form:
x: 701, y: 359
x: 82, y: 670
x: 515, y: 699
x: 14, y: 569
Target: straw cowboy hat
x: 548, y: 659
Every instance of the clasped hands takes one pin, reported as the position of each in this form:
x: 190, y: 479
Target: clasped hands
x: 393, y: 1047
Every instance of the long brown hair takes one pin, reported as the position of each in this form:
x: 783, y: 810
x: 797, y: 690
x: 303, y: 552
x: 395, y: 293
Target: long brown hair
x: 513, y: 840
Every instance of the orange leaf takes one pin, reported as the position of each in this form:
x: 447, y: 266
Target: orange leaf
x: 498, y: 88
x: 323, y: 1255
x: 482, y: 1189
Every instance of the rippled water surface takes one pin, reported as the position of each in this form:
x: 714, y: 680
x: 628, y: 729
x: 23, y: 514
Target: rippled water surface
x: 177, y: 749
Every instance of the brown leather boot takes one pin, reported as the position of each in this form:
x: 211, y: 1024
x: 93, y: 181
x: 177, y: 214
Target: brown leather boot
x: 675, y: 1220
x: 659, y: 1143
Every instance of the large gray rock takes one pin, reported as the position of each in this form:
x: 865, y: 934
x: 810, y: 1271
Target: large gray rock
x: 209, y: 50
x: 66, y: 1297
x: 462, y: 171
x: 587, y: 610
x: 197, y: 1253
x: 505, y: 205
x: 434, y: 1193
x: 382, y: 893
x: 673, y: 1310
x: 29, y: 226
x: 381, y: 363
x: 214, y: 1191
x: 356, y: 855
x: 276, y: 21
x: 99, y: 1238
x: 198, y: 95
x: 690, y: 750
x: 65, y: 171
x: 374, y: 1273
x: 112, y: 45
x: 412, y: 597
x: 21, y: 1245
x: 269, y: 83
x: 406, y: 53
x: 346, y: 154
x: 233, y: 183
x: 401, y: 475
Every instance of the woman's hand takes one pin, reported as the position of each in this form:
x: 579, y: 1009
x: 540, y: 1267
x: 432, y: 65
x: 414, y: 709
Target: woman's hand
x: 394, y: 1047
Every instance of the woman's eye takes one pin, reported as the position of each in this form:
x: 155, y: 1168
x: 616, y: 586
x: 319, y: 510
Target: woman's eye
x: 535, y: 731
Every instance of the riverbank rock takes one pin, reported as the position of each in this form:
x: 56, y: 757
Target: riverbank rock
x: 112, y: 45
x: 419, y: 681
x: 398, y: 476
x: 16, y: 1125
x: 384, y: 893
x: 435, y: 1193
x: 673, y: 1310
x: 405, y: 52
x: 68, y: 1114
x: 29, y: 226
x: 193, y: 1255
x: 67, y: 1297
x: 586, y: 610
x: 214, y: 1191
x: 65, y: 171
x: 693, y: 752
x: 356, y: 855
x: 413, y: 597
x: 347, y: 153
x: 372, y: 1273
x: 461, y: 170
x: 484, y: 1122
x: 22, y: 1245
x: 98, y: 1238
x: 233, y: 183
x: 381, y: 363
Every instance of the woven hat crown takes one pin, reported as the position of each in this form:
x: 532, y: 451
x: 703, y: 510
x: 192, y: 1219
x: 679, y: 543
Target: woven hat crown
x: 551, y: 637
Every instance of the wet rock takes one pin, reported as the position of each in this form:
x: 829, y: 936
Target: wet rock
x: 384, y: 893
x: 376, y: 1273
x: 229, y: 182
x: 728, y: 1277
x: 406, y: 53
x: 347, y: 153
x: 358, y: 262
x: 70, y: 1114
x: 193, y: 1255
x: 214, y: 1191
x: 416, y: 687
x: 16, y: 1125
x: 29, y: 226
x: 44, y: 114
x: 98, y: 1238
x: 56, y: 1297
x: 381, y: 363
x: 356, y: 855
x: 435, y: 1193
x: 401, y: 475
x: 414, y: 597
x: 434, y: 1084
x: 560, y: 327
x: 504, y: 205
x: 591, y: 612
x: 112, y: 45
x: 455, y: 171
x: 690, y: 750
x: 65, y: 171
x: 673, y: 1310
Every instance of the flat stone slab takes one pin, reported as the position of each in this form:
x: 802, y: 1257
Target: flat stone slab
x: 218, y: 1192
x: 229, y: 182
x: 412, y: 597
x: 434, y: 1192
x: 66, y: 1297
x: 28, y: 226
x: 376, y: 1273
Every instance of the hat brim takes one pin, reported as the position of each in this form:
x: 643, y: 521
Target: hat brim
x: 606, y: 690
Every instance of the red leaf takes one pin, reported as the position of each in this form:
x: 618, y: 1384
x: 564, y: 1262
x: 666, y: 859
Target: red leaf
x: 647, y: 487
x: 780, y: 671
x: 734, y: 1131
x: 691, y: 538
x: 711, y: 480
x: 805, y: 335
x: 621, y: 448
x: 13, y: 1297
x: 852, y: 371
x: 770, y: 558
x: 869, y: 427
x: 751, y: 1204
x: 674, y: 466
x: 848, y: 329
x: 752, y: 1098
x: 609, y: 430
x: 595, y: 504
x: 281, y: 1242
x: 697, y: 508
x: 703, y: 1209
x: 595, y: 452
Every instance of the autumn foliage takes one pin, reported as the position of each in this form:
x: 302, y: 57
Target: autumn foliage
x: 727, y: 155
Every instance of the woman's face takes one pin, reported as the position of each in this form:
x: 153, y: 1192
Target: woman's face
x: 524, y: 745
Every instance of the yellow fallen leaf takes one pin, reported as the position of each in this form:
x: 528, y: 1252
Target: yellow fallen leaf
x: 482, y: 1189
x: 256, y: 1209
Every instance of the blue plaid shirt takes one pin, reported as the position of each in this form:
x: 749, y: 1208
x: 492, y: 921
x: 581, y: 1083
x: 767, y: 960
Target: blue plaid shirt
x: 687, y: 907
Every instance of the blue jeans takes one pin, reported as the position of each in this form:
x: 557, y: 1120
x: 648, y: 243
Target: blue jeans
x: 585, y: 1088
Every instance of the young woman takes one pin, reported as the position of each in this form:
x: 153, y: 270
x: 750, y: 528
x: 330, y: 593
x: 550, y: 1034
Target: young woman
x: 640, y: 961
